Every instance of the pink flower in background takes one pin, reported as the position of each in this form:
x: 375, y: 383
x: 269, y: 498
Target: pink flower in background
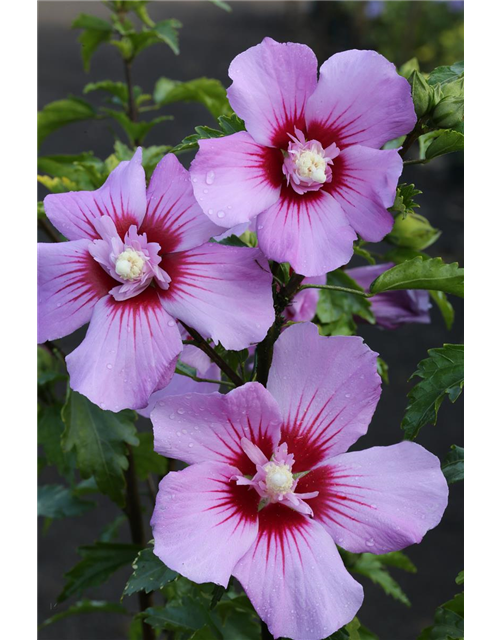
x: 270, y: 490
x: 394, y: 308
x: 303, y: 305
x: 309, y: 165
x: 138, y: 259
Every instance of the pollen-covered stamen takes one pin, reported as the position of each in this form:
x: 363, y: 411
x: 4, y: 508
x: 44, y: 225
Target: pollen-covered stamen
x: 306, y: 164
x: 274, y: 480
x: 130, y: 264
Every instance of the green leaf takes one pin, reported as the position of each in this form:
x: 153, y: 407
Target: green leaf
x: 460, y: 578
x: 84, y: 171
x: 188, y: 616
x: 139, y: 7
x: 409, y: 67
x: 111, y: 530
x: 56, y: 501
x: 96, y: 32
x: 117, y: 89
x: 383, y: 369
x: 448, y: 621
x: 336, y: 310
x: 422, y: 274
x: 207, y: 91
x: 445, y: 306
x: 85, y: 21
x: 150, y: 574
x: 165, y: 31
x: 442, y: 374
x: 443, y: 75
x: 438, y: 143
x: 136, y: 131
x: 222, y: 5
x: 229, y: 125
x: 404, y: 202
x: 373, y: 567
x: 49, y: 368
x: 146, y: 459
x: 60, y: 113
x: 99, y: 439
x: 453, y: 466
x: 50, y: 430
x: 100, y: 561
x: 85, y: 606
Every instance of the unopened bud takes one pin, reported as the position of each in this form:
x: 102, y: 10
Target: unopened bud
x: 449, y: 112
x: 413, y: 232
x: 421, y: 93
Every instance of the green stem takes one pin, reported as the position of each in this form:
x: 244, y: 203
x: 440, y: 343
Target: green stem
x: 331, y: 287
x: 48, y: 230
x: 264, y: 352
x: 202, y: 344
x: 416, y: 161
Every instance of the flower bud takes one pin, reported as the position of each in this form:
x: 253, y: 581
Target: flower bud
x: 421, y: 93
x: 449, y: 112
x: 413, y: 232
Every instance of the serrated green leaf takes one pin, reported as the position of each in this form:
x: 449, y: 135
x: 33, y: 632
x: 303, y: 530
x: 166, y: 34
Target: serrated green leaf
x: 460, y: 578
x: 136, y: 131
x: 117, y: 89
x: 229, y: 125
x: 372, y: 567
x: 453, y: 466
x: 86, y: 21
x: 60, y: 113
x: 85, y: 171
x: 85, y: 606
x: 99, y: 439
x: 404, y: 201
x: 409, y: 67
x: 96, y: 32
x: 111, y: 530
x: 445, y: 306
x: 337, y: 310
x: 149, y: 574
x: 146, y: 459
x: 99, y: 562
x: 206, y: 91
x: 56, y: 501
x: 139, y: 7
x: 442, y: 374
x: 422, y: 274
x: 445, y: 74
x: 222, y: 5
x: 49, y: 368
x: 188, y: 616
x: 448, y: 621
x: 383, y: 369
x: 167, y: 32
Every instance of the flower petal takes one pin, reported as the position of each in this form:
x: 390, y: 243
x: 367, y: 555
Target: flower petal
x: 327, y: 390
x: 198, y: 428
x: 173, y: 217
x: 129, y: 351
x: 203, y: 523
x: 70, y: 282
x: 309, y: 231
x: 381, y: 499
x: 122, y: 197
x: 221, y: 291
x: 271, y: 84
x: 295, y: 578
x: 180, y: 384
x: 303, y: 306
x: 234, y: 178
x: 364, y: 184
x: 360, y: 99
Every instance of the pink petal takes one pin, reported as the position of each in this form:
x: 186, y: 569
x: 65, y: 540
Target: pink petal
x: 129, y: 351
x: 199, y: 428
x: 309, y: 231
x: 271, y: 84
x: 381, y: 499
x: 234, y: 178
x: 221, y: 291
x: 70, y: 282
x: 295, y: 578
x: 173, y: 218
x: 180, y: 384
x: 364, y: 184
x: 303, y: 306
x: 203, y: 523
x: 360, y: 99
x: 122, y: 197
x: 327, y: 390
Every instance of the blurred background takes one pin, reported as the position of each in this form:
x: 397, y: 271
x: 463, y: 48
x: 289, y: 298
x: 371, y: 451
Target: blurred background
x: 210, y: 38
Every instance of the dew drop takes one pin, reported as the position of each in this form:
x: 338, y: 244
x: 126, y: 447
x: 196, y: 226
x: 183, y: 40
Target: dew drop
x: 179, y: 433
x: 370, y: 542
x: 210, y: 177
x: 109, y: 366
x: 161, y: 403
x: 190, y: 445
x: 194, y: 179
x: 220, y: 214
x: 205, y: 190
x: 180, y: 410
x: 171, y: 323
x: 210, y: 212
x: 172, y: 416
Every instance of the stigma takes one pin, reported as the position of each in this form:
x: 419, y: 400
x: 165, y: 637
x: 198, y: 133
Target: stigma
x: 279, y: 478
x: 307, y: 166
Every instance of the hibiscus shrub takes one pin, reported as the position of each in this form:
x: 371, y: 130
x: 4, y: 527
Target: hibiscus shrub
x: 223, y: 309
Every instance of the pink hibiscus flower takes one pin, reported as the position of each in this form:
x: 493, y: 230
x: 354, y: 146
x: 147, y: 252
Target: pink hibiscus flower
x: 309, y: 165
x: 136, y: 260
x: 270, y: 489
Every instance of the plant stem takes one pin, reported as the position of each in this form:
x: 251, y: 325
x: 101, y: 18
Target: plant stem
x: 202, y: 344
x: 410, y: 139
x: 264, y: 352
x: 132, y: 108
x: 332, y: 287
x: 48, y: 230
x: 134, y: 515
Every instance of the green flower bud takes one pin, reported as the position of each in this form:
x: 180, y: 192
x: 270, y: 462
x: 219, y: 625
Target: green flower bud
x: 449, y: 112
x: 421, y: 93
x: 413, y: 232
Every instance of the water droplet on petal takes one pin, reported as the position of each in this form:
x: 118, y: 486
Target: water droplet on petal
x: 210, y: 177
x: 205, y: 190
x: 109, y: 366
x: 171, y: 323
x: 370, y: 542
x: 220, y: 214
x: 180, y: 411
x: 210, y: 212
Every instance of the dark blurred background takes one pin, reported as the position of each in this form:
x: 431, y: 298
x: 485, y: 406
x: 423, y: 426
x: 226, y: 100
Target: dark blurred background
x: 210, y: 38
